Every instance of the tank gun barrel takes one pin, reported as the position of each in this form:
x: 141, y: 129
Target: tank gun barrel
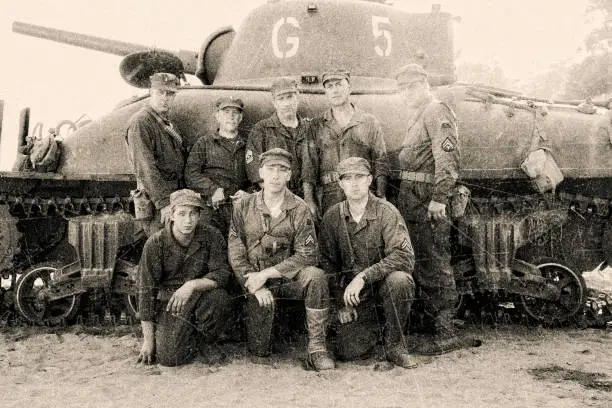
x: 80, y: 40
x: 120, y: 48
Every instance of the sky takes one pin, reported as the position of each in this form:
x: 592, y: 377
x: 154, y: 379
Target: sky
x: 61, y: 82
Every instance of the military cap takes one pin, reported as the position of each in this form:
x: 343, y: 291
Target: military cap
x: 282, y: 86
x: 354, y: 165
x: 337, y: 74
x: 275, y: 156
x: 164, y: 81
x: 186, y: 197
x: 229, y: 101
x: 410, y: 73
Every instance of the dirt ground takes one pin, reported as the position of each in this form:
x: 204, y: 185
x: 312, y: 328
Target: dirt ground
x: 517, y: 366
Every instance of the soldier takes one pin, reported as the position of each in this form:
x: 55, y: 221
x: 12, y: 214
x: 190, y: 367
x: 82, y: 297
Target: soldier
x: 343, y: 131
x: 156, y: 150
x: 284, y: 129
x: 366, y: 248
x: 215, y: 166
x: 181, y: 278
x: 273, y: 251
x: 430, y: 168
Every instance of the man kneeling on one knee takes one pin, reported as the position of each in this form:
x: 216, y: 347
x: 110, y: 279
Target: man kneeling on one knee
x: 181, y: 278
x: 365, y: 246
x: 273, y: 251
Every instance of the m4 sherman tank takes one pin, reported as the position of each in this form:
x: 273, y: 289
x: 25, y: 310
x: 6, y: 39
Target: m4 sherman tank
x: 539, y: 173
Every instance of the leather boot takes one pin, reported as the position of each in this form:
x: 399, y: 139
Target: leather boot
x: 318, y: 359
x: 445, y: 338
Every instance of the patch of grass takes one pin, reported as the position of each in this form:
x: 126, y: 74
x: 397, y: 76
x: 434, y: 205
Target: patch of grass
x: 596, y: 381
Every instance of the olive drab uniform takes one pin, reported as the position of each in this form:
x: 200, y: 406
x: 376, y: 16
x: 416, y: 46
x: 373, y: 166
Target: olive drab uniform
x: 164, y: 266
x: 157, y: 153
x: 328, y: 144
x: 430, y: 168
x: 379, y: 246
x: 217, y: 162
x: 270, y: 133
x: 288, y: 242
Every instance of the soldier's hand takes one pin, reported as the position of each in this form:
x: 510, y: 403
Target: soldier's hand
x: 351, y: 293
x: 147, y: 353
x: 165, y: 214
x: 436, y: 211
x: 179, y: 299
x: 255, y: 281
x: 347, y: 314
x: 264, y: 297
x: 217, y: 198
x: 238, y: 194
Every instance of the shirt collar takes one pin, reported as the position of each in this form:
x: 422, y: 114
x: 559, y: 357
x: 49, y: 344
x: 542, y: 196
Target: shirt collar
x: 288, y: 203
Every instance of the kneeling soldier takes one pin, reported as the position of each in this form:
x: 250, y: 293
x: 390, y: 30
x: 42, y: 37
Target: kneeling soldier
x: 181, y: 276
x: 366, y: 247
x: 273, y: 251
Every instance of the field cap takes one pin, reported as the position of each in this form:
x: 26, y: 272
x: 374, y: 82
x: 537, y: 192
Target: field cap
x: 276, y: 156
x: 283, y: 86
x: 186, y: 197
x: 229, y: 101
x: 410, y: 73
x: 164, y: 81
x: 337, y: 74
x: 353, y: 165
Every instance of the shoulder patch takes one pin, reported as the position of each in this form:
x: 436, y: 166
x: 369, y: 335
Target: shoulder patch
x: 248, y: 157
x: 309, y: 240
x: 448, y: 145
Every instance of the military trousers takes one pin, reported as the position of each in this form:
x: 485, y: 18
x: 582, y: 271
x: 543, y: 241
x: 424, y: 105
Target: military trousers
x: 178, y: 338
x: 395, y: 293
x: 431, y: 242
x: 310, y: 284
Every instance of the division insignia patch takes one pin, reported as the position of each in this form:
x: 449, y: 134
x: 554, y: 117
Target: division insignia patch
x: 447, y: 145
x: 405, y: 243
x: 309, y: 240
x: 248, y: 157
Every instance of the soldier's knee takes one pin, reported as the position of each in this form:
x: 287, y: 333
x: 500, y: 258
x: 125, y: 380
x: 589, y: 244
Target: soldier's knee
x: 312, y: 273
x: 218, y: 299
x: 172, y: 354
x: 399, y: 280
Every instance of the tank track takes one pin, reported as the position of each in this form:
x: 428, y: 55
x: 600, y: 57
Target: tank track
x: 26, y: 213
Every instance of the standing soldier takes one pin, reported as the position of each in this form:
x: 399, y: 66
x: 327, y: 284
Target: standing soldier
x: 273, y: 252
x: 181, y: 278
x: 430, y: 168
x: 343, y: 131
x: 215, y: 166
x: 284, y: 129
x: 156, y: 150
x: 366, y: 248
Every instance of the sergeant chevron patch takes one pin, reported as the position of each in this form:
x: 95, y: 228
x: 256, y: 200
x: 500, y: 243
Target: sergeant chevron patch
x: 448, y: 145
x: 309, y: 240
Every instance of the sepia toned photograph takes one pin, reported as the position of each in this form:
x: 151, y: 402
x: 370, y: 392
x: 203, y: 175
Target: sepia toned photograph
x: 292, y: 203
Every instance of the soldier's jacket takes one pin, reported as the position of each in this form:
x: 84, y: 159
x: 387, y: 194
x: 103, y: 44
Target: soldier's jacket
x: 157, y: 157
x: 431, y: 145
x: 270, y: 133
x: 258, y: 241
x: 378, y: 245
x: 328, y: 144
x: 217, y: 162
x: 165, y: 265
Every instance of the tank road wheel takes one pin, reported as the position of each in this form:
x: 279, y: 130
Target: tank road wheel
x: 571, y: 287
x: 32, y: 306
